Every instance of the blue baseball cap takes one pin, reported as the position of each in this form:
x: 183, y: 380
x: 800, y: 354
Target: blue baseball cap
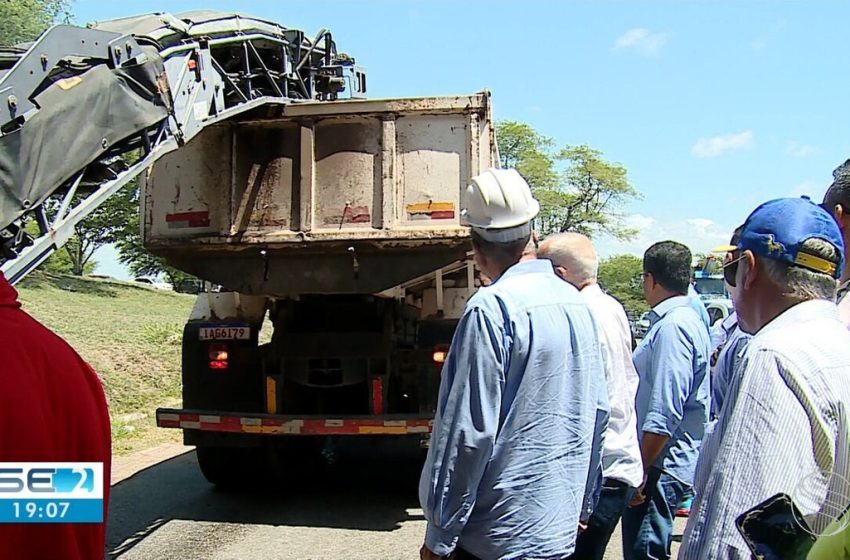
x: 778, y: 228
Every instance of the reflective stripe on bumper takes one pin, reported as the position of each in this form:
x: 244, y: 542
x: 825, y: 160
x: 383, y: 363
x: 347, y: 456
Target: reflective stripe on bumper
x: 287, y: 425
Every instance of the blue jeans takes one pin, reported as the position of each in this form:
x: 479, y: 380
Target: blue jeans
x: 648, y: 528
x: 613, y: 499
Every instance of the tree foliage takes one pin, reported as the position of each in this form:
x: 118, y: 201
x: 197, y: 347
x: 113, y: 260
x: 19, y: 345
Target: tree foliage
x: 577, y: 189
x: 103, y: 226
x: 135, y: 257
x: 60, y: 261
x: 24, y: 20
x: 620, y: 276
x: 709, y: 263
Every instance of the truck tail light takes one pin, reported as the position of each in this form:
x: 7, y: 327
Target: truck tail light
x: 377, y: 396
x: 218, y: 356
x: 441, y: 351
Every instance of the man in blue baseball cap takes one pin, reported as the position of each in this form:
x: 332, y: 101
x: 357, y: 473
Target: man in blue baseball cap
x: 785, y: 425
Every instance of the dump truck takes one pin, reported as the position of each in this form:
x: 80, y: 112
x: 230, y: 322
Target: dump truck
x: 340, y: 224
x: 330, y: 223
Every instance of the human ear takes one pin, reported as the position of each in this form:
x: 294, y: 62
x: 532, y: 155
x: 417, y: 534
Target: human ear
x: 749, y: 272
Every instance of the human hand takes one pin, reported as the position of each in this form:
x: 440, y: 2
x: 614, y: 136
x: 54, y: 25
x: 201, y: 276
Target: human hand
x: 639, y: 496
x: 426, y: 554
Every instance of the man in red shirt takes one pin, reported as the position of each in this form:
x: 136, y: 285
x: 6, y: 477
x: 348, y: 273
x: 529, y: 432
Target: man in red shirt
x: 52, y: 409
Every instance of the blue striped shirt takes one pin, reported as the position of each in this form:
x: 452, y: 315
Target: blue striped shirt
x: 728, y: 362
x: 522, y: 401
x: 785, y: 427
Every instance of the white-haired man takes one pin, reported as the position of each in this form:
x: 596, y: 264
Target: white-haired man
x: 785, y: 422
x: 575, y: 261
x: 522, y: 398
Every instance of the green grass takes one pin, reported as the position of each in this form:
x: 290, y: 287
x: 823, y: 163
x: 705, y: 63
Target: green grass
x: 130, y: 335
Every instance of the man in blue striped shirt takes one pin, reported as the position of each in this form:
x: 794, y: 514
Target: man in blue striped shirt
x: 672, y: 401
x: 522, y: 408
x: 785, y: 423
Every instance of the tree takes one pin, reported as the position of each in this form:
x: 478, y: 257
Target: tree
x: 59, y: 262
x: 24, y: 20
x: 709, y: 263
x: 620, y: 276
x: 526, y: 150
x: 577, y: 189
x: 134, y: 255
x: 106, y: 224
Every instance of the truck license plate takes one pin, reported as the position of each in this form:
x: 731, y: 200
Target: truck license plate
x: 224, y: 333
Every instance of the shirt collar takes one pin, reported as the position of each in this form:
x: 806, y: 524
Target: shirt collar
x: 804, y: 311
x: 8, y: 294
x: 528, y: 267
x: 666, y: 306
x: 730, y: 322
x: 592, y: 290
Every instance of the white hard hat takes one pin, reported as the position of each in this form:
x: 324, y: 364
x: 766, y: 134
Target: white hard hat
x: 499, y: 205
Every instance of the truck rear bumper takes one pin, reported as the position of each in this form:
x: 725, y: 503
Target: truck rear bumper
x: 274, y: 424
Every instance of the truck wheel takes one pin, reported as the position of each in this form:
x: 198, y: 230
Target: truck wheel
x: 226, y: 467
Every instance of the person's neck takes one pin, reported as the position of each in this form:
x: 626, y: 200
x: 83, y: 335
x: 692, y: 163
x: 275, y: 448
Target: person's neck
x: 771, y: 308
x: 664, y: 296
x: 585, y: 284
x: 498, y: 271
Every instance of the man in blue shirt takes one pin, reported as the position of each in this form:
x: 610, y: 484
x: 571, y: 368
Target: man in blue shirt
x: 522, y: 407
x: 672, y: 401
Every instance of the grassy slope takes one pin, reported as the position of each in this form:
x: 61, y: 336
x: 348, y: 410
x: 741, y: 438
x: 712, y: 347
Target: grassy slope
x: 131, y: 337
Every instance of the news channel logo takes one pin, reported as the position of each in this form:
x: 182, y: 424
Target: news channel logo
x: 51, y: 492
x: 828, y: 496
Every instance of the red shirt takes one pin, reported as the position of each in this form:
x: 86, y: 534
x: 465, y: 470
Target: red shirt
x: 52, y: 408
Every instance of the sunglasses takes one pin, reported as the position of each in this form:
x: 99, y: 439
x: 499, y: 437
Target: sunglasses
x: 730, y: 270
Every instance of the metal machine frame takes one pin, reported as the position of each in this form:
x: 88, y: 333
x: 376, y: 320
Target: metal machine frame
x: 230, y: 66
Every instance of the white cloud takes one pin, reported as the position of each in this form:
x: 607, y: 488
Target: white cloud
x: 641, y: 39
x: 701, y: 224
x: 717, y: 145
x: 638, y: 222
x: 799, y: 150
x: 698, y: 233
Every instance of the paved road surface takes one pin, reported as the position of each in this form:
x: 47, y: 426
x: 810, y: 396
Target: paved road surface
x: 360, y: 508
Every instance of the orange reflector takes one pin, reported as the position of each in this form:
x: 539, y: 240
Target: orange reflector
x: 192, y: 64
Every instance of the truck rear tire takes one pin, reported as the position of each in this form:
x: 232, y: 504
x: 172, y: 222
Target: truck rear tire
x: 227, y: 467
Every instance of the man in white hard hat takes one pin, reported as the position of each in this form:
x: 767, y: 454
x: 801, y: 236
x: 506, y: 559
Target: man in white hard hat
x: 522, y: 407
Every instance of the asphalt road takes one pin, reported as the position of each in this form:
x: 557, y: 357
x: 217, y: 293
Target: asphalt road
x: 364, y: 506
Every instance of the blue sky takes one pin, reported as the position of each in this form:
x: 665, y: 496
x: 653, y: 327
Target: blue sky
x: 712, y: 107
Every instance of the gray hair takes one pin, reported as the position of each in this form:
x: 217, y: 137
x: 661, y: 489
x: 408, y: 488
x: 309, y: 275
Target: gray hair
x: 801, y: 283
x: 574, y: 252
